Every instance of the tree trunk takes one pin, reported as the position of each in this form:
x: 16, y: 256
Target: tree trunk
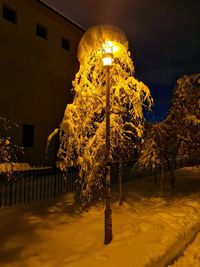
x: 172, y: 175
x: 168, y: 164
x: 155, y: 176
x: 120, y: 183
x: 162, y: 178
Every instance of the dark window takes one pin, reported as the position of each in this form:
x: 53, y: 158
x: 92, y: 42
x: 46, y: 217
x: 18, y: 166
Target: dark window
x: 28, y: 135
x: 41, y: 31
x: 65, y: 44
x: 9, y: 14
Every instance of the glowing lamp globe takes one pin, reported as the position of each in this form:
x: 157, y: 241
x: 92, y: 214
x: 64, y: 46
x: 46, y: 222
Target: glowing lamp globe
x: 107, y: 61
x: 107, y: 54
x: 107, y: 41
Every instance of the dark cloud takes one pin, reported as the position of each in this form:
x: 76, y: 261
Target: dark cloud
x: 164, y: 37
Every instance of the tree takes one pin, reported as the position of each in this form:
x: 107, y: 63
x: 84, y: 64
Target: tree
x: 8, y: 150
x: 82, y: 131
x: 153, y: 151
x: 180, y: 129
x: 185, y: 112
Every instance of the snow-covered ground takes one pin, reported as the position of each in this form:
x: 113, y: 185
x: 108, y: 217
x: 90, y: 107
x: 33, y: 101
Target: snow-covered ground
x: 148, y: 230
x: 191, y: 257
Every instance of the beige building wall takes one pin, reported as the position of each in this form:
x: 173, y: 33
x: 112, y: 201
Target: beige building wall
x: 36, y: 73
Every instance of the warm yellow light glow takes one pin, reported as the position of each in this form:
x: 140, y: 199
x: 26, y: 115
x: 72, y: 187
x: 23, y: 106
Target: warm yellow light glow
x: 97, y: 36
x: 107, y: 61
x: 113, y: 47
x: 107, y: 54
x: 110, y: 49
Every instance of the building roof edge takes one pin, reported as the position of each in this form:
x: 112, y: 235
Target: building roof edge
x: 61, y: 15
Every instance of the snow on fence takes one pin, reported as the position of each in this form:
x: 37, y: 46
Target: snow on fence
x: 33, y: 185
x: 29, y: 185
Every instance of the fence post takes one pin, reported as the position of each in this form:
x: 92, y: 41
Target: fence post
x: 6, y: 190
x: 33, y: 186
x: 1, y: 189
x: 44, y: 176
x: 15, y: 191
x: 54, y: 184
x: 40, y: 180
x: 10, y: 201
x: 24, y: 188
x: 48, y: 175
x: 29, y: 185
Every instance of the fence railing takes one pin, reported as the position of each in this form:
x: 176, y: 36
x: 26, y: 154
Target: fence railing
x: 41, y: 184
x: 34, y: 185
x: 131, y: 172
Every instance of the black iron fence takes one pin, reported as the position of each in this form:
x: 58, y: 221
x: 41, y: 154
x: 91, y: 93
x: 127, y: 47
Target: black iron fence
x: 131, y: 172
x: 41, y: 184
x: 34, y: 185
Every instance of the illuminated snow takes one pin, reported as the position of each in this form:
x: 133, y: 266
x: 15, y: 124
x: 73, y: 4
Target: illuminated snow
x: 145, y: 228
x: 191, y: 255
x: 83, y: 130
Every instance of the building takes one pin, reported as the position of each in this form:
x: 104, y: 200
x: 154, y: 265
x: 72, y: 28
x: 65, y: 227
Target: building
x: 38, y: 63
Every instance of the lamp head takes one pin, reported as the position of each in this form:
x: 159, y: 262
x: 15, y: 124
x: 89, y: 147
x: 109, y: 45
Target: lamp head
x: 107, y: 54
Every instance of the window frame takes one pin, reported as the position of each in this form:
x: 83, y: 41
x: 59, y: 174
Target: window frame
x: 11, y: 9
x: 67, y: 42
x: 43, y: 28
x: 28, y: 142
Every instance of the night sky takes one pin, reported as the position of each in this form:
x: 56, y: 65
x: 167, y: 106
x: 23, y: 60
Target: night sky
x: 164, y: 38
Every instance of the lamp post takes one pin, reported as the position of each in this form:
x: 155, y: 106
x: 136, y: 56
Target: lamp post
x: 107, y: 59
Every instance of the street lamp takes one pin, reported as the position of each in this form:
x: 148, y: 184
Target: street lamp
x: 107, y: 54
x: 107, y: 59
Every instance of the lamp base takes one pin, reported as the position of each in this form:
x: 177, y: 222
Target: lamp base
x: 108, y: 226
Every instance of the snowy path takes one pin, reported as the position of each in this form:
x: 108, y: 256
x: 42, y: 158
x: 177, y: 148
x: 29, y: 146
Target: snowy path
x: 191, y: 256
x: 148, y: 230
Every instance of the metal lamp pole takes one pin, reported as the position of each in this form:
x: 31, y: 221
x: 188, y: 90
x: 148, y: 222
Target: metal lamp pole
x: 107, y: 59
x: 108, y: 211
